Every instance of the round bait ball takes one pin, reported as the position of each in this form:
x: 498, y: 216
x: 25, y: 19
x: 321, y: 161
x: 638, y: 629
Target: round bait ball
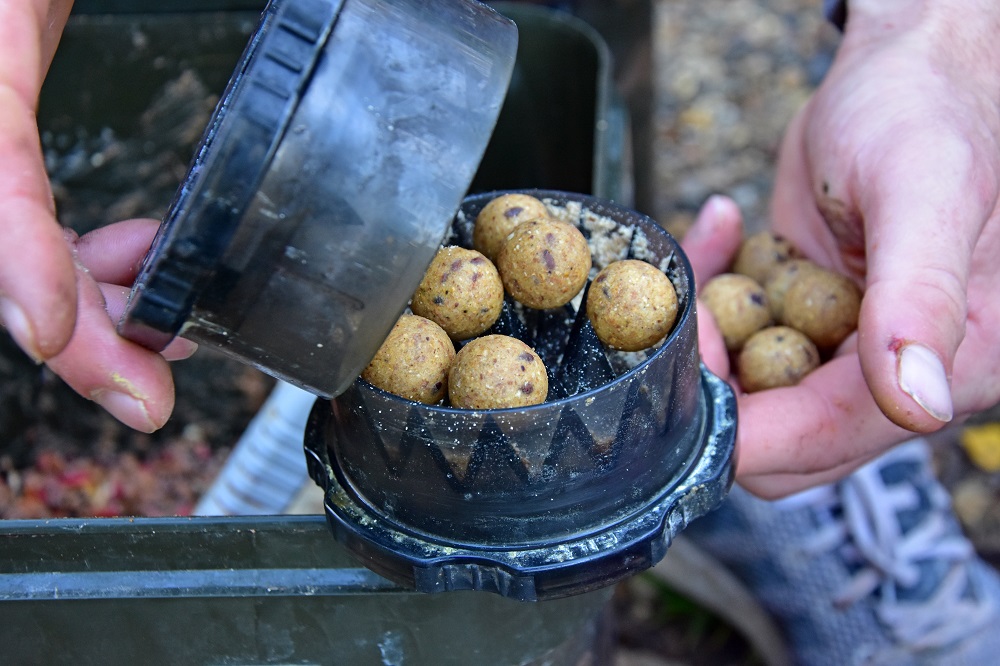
x: 413, y: 361
x: 776, y: 356
x: 631, y: 305
x: 499, y: 217
x: 497, y: 371
x: 779, y: 279
x: 824, y: 305
x: 738, y: 304
x: 544, y: 263
x: 760, y: 253
x: 461, y: 292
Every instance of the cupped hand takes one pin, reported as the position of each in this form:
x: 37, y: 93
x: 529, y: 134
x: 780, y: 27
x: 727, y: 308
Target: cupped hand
x: 60, y: 295
x: 795, y: 437
x: 891, y: 175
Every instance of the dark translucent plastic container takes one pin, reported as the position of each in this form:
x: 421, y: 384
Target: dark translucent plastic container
x: 543, y: 501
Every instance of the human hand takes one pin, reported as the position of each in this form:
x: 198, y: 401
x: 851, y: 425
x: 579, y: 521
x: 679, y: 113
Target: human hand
x: 132, y: 383
x: 890, y: 174
x: 57, y: 291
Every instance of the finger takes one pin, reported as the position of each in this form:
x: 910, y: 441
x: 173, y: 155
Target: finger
x: 711, y: 345
x: 115, y: 298
x: 776, y: 486
x: 976, y: 372
x: 179, y: 349
x: 130, y: 382
x: 828, y: 420
x: 714, y: 238
x: 37, y: 280
x: 922, y: 222
x: 27, y: 43
x: 114, y: 254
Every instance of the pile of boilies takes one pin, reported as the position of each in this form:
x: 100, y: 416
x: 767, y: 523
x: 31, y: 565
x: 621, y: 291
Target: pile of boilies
x: 780, y: 314
x: 541, y: 262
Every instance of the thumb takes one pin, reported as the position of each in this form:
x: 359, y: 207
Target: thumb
x: 921, y: 222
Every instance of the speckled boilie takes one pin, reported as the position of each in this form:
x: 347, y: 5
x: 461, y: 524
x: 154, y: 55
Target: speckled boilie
x: 739, y: 306
x: 779, y: 279
x: 776, y: 356
x: 760, y: 253
x: 824, y: 305
x: 497, y: 220
x: 544, y: 263
x: 632, y: 305
x: 497, y: 371
x: 461, y: 292
x: 413, y: 361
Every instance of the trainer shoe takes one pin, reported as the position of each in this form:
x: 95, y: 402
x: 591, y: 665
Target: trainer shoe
x: 873, y: 569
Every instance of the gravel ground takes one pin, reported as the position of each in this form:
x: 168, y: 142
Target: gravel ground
x: 729, y: 75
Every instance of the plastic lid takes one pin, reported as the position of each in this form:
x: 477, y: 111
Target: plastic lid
x: 325, y: 184
x: 236, y: 151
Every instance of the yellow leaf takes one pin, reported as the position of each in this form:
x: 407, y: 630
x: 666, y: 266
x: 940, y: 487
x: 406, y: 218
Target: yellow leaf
x: 982, y: 445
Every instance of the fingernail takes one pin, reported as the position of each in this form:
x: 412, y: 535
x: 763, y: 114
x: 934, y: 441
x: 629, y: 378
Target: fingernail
x: 18, y: 325
x: 922, y: 377
x: 127, y: 409
x: 707, y: 219
x: 179, y: 349
x: 718, y: 204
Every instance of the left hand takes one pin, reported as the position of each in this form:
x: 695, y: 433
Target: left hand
x: 134, y: 384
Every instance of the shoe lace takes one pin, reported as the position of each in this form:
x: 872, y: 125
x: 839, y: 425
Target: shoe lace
x: 859, y: 518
